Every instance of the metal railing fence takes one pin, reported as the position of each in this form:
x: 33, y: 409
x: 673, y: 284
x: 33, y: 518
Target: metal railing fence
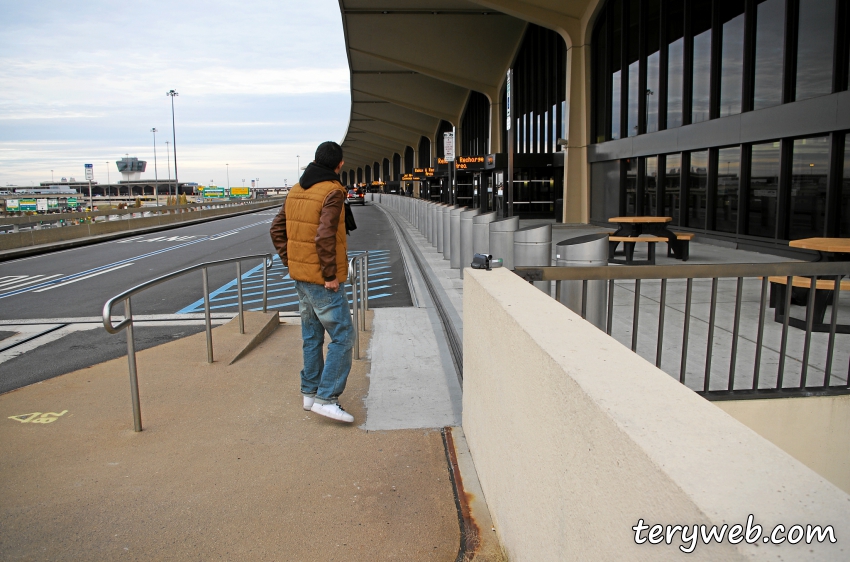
x: 127, y: 323
x: 358, y: 276
x: 756, y: 275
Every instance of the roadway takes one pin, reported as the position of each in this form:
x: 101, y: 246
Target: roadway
x: 50, y: 304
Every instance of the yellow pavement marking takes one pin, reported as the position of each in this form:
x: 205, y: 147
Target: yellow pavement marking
x: 39, y: 417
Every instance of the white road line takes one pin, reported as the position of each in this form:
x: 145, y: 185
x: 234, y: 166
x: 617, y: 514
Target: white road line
x: 32, y: 280
x: 81, y: 278
x: 43, y: 340
x: 9, y: 279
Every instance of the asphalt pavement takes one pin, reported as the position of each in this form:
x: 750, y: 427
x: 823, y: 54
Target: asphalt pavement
x: 65, y: 291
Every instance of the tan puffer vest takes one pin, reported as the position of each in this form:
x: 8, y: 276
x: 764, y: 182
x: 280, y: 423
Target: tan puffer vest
x: 303, y: 208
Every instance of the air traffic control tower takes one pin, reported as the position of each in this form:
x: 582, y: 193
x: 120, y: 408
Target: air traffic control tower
x: 131, y: 168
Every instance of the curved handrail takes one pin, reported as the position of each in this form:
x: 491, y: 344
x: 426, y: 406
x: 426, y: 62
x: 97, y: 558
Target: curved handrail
x: 107, y: 307
x: 127, y: 323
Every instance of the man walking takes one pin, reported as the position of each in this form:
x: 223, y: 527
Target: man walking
x: 309, y: 235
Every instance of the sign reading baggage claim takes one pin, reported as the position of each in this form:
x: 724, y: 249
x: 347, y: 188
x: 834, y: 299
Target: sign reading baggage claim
x: 419, y: 174
x: 469, y: 163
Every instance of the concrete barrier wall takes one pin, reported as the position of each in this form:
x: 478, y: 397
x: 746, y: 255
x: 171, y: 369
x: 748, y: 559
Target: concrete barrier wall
x: 575, y: 439
x: 25, y: 239
x: 814, y: 430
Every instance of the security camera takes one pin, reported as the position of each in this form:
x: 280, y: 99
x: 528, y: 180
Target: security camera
x: 562, y: 142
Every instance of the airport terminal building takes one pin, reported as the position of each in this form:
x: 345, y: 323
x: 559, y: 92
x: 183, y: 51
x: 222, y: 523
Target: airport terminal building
x: 730, y: 116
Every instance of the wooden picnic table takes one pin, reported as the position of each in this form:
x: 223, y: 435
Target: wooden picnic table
x: 829, y: 250
x: 656, y: 226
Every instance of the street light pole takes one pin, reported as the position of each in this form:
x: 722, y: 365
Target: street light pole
x: 298, y: 171
x: 155, y: 174
x: 228, y: 178
x: 174, y: 94
x: 107, y: 178
x: 168, y: 158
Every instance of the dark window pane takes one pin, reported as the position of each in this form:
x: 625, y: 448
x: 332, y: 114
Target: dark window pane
x: 808, y: 187
x: 845, y: 192
x: 697, y: 189
x: 770, y: 29
x: 701, y: 26
x: 616, y: 16
x: 653, y: 61
x: 634, y: 68
x: 672, y: 186
x: 728, y: 179
x: 631, y: 187
x: 732, y: 57
x: 763, y: 189
x: 601, y: 74
x: 650, y: 187
x: 605, y: 190
x: 814, y: 48
x: 652, y: 81
x: 675, y: 63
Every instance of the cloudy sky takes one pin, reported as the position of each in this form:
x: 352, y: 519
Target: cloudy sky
x: 259, y: 82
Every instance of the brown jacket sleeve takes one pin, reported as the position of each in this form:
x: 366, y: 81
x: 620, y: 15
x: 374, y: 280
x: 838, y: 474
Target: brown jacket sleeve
x: 326, y: 234
x: 278, y: 234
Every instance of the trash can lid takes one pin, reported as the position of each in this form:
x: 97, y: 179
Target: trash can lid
x: 540, y: 233
x: 484, y: 218
x: 582, y: 239
x: 507, y: 224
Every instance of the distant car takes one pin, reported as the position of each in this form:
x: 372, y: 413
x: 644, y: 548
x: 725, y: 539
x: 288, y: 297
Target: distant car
x: 356, y: 196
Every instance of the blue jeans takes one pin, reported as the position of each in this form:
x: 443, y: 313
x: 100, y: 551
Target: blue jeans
x: 322, y: 309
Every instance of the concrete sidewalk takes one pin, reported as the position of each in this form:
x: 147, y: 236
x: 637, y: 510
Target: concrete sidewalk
x: 229, y: 466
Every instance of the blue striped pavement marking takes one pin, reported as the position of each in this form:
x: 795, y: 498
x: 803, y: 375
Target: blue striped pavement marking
x: 281, y: 289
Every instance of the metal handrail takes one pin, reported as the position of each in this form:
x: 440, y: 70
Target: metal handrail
x: 832, y: 271
x: 358, y: 276
x: 127, y: 323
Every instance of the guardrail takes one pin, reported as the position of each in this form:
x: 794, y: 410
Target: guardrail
x: 358, y: 276
x: 127, y: 323
x: 831, y: 271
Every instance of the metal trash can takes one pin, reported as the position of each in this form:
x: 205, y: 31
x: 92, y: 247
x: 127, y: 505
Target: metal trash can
x: 533, y: 246
x: 502, y: 240
x: 447, y: 231
x: 585, y: 251
x: 466, y: 218
x: 454, y: 237
x: 481, y: 232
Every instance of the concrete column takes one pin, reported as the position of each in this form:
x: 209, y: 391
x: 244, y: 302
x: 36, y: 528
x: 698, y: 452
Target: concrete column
x: 576, y: 169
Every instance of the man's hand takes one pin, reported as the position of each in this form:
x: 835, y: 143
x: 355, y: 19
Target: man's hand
x: 332, y: 285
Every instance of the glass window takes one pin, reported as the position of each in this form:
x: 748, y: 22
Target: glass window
x: 631, y: 186
x: 763, y: 190
x: 616, y: 74
x: 672, y: 184
x: 808, y: 187
x: 814, y: 48
x: 697, y: 189
x: 675, y: 63
x: 732, y: 57
x: 650, y: 187
x: 770, y: 39
x: 601, y: 55
x: 653, y: 62
x: 605, y: 190
x: 634, y: 67
x: 844, y: 217
x: 701, y: 25
x: 728, y: 179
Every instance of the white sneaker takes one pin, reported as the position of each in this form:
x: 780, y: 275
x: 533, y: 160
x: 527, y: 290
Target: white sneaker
x: 308, y: 402
x: 333, y: 411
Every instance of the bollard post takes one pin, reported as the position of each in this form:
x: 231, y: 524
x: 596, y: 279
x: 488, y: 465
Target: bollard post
x: 454, y: 237
x: 207, y: 317
x: 533, y: 247
x: 131, y: 359
x: 239, y: 297
x: 466, y: 219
